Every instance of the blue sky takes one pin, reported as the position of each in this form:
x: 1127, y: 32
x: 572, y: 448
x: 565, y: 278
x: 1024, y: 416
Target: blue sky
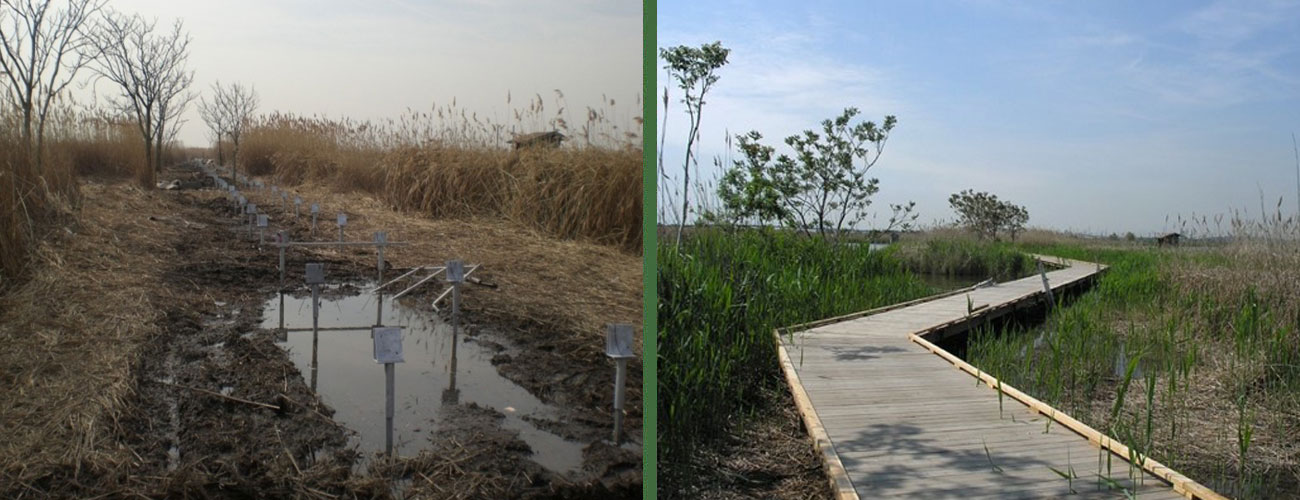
x: 1097, y: 116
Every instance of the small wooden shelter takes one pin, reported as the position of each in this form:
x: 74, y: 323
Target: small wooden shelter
x: 550, y: 139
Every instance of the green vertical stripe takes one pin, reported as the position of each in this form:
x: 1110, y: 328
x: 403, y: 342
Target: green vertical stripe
x: 650, y: 398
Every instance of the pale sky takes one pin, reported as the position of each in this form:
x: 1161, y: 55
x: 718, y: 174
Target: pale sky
x: 374, y: 60
x: 1096, y: 116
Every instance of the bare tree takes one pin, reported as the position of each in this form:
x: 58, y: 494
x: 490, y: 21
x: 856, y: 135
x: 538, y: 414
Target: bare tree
x: 213, y: 114
x: 41, y: 50
x: 228, y: 114
x: 214, y: 135
x: 150, y: 70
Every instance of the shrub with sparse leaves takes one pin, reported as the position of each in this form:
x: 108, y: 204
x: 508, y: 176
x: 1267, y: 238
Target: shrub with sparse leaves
x: 987, y: 216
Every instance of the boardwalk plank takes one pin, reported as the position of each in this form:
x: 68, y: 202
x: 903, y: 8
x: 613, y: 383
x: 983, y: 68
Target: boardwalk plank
x: 905, y: 422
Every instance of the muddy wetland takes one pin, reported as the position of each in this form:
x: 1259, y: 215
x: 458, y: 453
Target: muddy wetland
x: 442, y: 369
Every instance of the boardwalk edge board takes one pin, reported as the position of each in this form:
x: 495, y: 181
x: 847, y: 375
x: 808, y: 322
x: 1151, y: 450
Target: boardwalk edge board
x: 839, y: 479
x: 841, y: 485
x: 1180, y: 483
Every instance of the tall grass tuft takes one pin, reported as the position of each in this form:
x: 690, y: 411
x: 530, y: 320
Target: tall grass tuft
x: 967, y: 257
x: 447, y: 163
x: 722, y: 295
x: 1216, y: 329
x: 34, y: 194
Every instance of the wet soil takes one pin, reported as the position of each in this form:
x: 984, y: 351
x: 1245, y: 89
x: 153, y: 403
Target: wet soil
x: 220, y: 410
x: 440, y: 370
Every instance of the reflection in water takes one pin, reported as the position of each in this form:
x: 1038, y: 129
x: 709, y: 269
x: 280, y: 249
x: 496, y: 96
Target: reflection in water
x: 439, y: 367
x: 451, y: 395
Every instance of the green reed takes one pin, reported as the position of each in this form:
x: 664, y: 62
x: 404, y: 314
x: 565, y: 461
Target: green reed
x: 722, y: 296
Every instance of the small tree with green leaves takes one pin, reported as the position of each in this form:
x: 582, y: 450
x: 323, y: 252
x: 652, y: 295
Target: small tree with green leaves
x: 745, y: 190
x: 823, y: 188
x: 986, y: 215
x: 693, y: 68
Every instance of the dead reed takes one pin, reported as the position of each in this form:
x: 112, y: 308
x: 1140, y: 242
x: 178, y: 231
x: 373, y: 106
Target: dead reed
x: 448, y: 163
x: 72, y: 332
x: 1208, y: 332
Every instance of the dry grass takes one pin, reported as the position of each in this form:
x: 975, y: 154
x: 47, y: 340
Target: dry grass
x: 33, y: 197
x: 589, y: 191
x: 769, y: 457
x: 570, y: 289
x: 104, y: 148
x: 1030, y: 236
x: 1217, y: 323
x: 71, y: 334
x: 592, y: 194
x: 1245, y: 272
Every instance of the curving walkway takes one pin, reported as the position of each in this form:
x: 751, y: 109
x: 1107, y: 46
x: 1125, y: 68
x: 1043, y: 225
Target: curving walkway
x: 895, y: 416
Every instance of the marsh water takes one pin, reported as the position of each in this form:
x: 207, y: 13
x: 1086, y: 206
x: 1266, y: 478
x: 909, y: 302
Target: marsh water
x: 441, y: 369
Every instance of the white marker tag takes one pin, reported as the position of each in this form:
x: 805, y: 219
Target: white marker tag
x: 315, y: 208
x: 252, y: 208
x: 388, y: 344
x: 455, y: 271
x: 381, y: 237
x: 618, y: 341
x: 297, y: 200
x: 343, y: 219
x: 261, y: 220
x: 315, y: 274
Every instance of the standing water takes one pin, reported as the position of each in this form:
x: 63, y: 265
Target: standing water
x: 440, y: 371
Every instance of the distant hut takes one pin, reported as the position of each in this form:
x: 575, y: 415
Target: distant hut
x: 550, y: 139
x: 1170, y: 239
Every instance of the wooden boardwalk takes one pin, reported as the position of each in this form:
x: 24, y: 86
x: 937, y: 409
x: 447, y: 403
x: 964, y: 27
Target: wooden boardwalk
x: 895, y: 416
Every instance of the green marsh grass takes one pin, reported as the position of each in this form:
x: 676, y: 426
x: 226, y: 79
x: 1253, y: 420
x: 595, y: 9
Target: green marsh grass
x: 724, y: 293
x: 966, y: 257
x: 1208, y: 335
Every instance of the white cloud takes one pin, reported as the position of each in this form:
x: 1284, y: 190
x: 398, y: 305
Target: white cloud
x: 1229, y: 22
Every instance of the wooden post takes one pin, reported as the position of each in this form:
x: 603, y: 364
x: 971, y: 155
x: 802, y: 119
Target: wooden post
x: 315, y: 277
x: 1051, y: 299
x: 281, y: 308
